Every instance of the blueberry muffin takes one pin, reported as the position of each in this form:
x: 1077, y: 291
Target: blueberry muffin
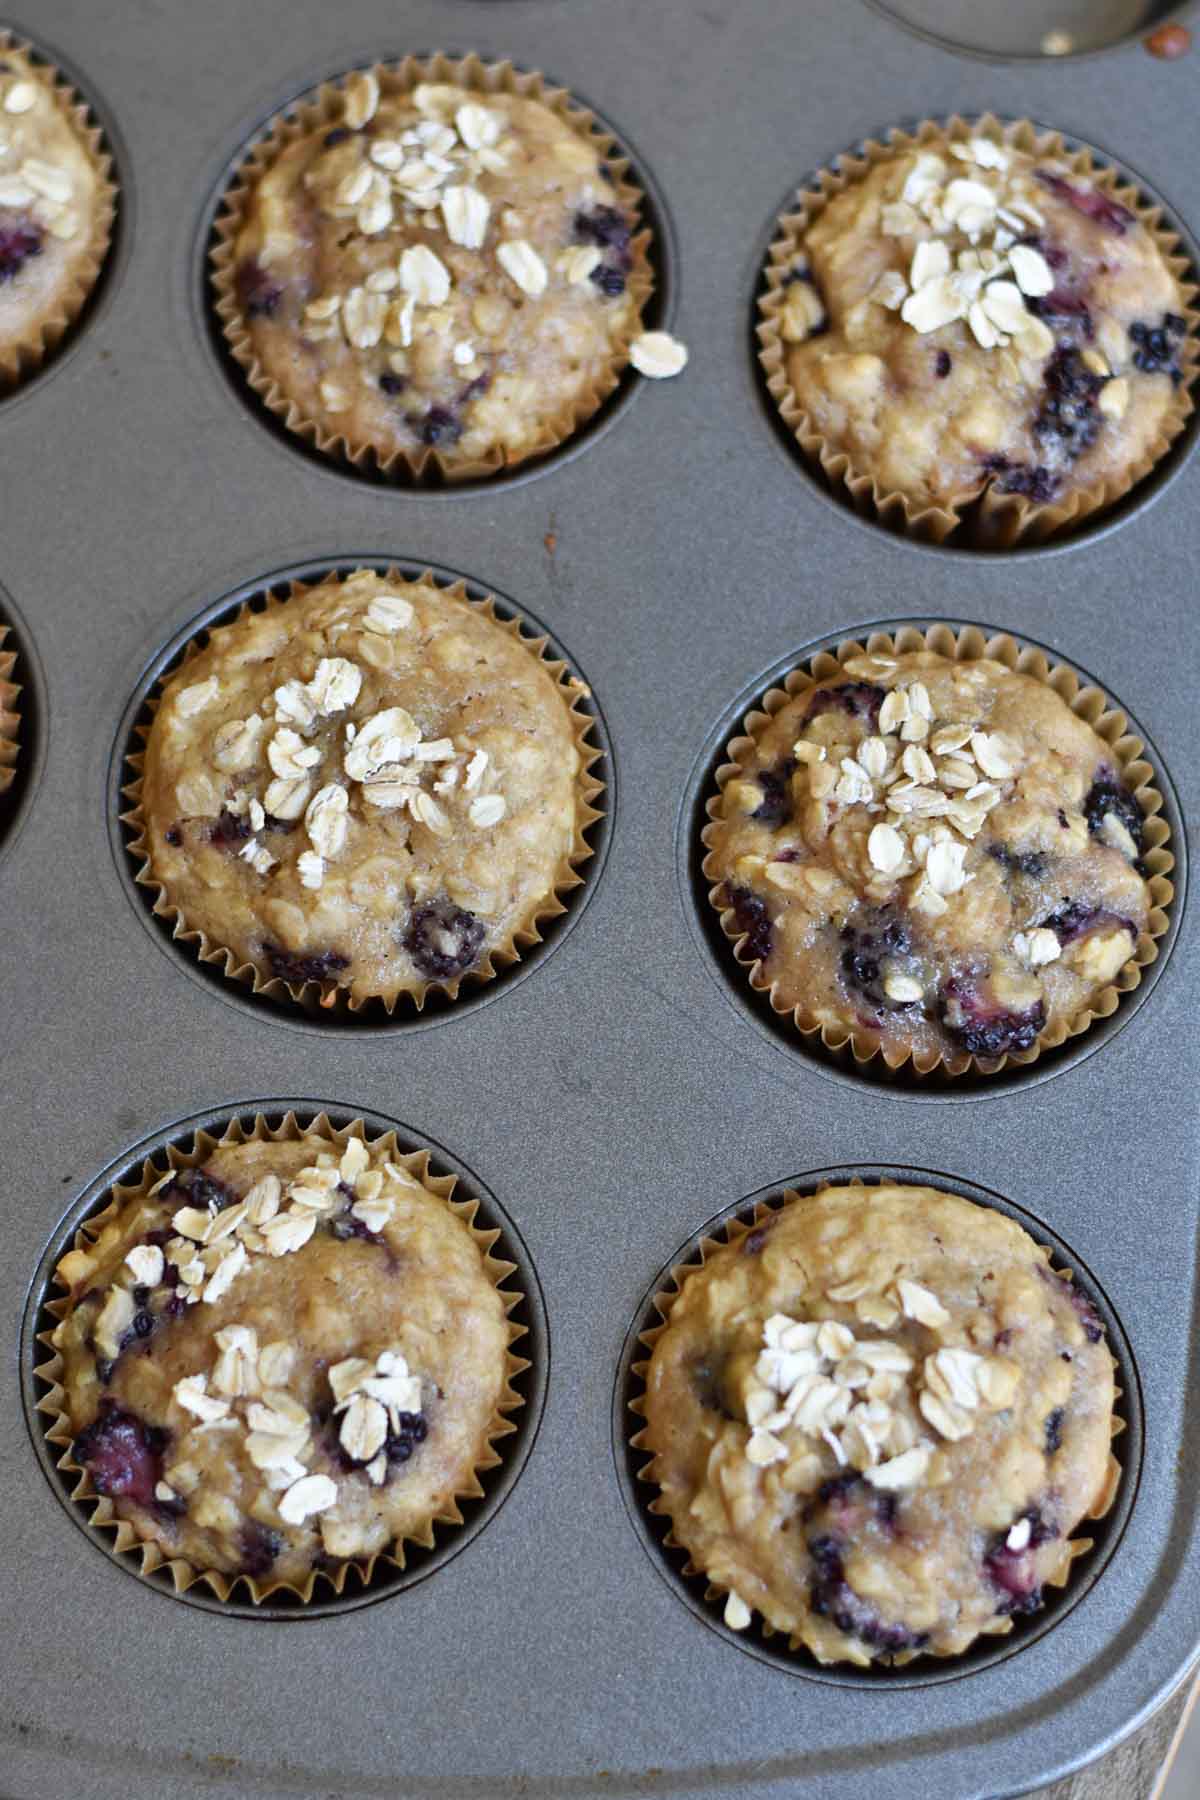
x: 56, y: 205
x: 937, y: 859
x: 292, y: 1355
x: 876, y: 1418
x: 444, y: 268
x: 376, y: 786
x: 968, y: 316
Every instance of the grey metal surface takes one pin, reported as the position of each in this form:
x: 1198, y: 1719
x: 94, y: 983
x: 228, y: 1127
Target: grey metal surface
x: 614, y: 1100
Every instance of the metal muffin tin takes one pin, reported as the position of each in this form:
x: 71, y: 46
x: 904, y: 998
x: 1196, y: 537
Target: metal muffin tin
x: 616, y: 1096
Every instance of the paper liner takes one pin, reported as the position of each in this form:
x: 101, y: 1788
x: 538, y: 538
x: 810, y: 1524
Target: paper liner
x: 9, y: 717
x: 858, y: 1049
x: 731, y: 1233
x: 184, y: 1574
x: 322, y: 107
x: 990, y: 520
x: 331, y: 997
x: 19, y: 360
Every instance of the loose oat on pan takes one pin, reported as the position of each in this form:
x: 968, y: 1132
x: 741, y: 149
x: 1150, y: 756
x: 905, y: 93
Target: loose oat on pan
x: 374, y: 788
x: 978, y: 314
x: 933, y: 854
x: 286, y: 1355
x: 876, y: 1418
x: 437, y: 265
x: 56, y: 208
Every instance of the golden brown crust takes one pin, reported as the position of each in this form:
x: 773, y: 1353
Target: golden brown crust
x: 925, y: 1385
x: 463, y: 335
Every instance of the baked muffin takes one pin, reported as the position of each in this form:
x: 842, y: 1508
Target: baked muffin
x: 937, y: 859
x: 966, y: 315
x: 443, y: 267
x: 876, y: 1418
x: 56, y: 206
x: 376, y: 785
x: 293, y: 1351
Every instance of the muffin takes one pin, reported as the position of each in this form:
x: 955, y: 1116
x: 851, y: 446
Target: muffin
x: 876, y: 1418
x: 289, y: 1355
x: 56, y: 209
x: 9, y: 718
x: 976, y: 313
x: 933, y: 856
x: 435, y: 263
x: 377, y: 786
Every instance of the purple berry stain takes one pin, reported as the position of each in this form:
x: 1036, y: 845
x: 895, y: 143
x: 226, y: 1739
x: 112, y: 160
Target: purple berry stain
x: 1069, y: 415
x: 832, y: 1597
x: 981, y: 1025
x: 443, y: 940
x: 879, y: 937
x: 438, y: 426
x: 17, y: 244
x: 298, y: 967
x: 752, y: 918
x: 859, y: 699
x: 258, y: 292
x: 1091, y: 202
x: 775, y: 808
x: 1107, y: 795
x: 1157, y: 346
x: 123, y: 1455
x: 1076, y: 919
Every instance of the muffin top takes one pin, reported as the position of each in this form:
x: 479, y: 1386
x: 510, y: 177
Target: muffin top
x: 446, y: 270
x: 292, y: 1351
x: 49, y: 186
x: 975, y: 315
x: 373, y: 785
x: 938, y: 856
x: 877, y: 1419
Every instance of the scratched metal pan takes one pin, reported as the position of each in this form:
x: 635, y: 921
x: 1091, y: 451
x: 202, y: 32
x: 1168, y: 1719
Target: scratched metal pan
x: 621, y: 1090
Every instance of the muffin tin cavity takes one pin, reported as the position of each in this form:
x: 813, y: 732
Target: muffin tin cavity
x: 531, y: 1347
x: 840, y: 1064
x: 759, y: 1641
x: 22, y: 723
x: 983, y: 528
x: 336, y: 1012
x: 361, y: 465
x: 1029, y: 28
x: 115, y: 164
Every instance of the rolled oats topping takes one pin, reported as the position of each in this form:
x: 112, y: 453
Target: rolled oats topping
x: 448, y: 273
x: 325, y: 1400
x: 876, y: 1495
x: 52, y: 226
x: 968, y: 314
x: 934, y: 856
x: 373, y: 785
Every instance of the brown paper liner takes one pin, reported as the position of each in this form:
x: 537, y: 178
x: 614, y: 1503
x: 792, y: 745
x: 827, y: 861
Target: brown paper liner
x: 990, y: 520
x: 19, y: 360
x: 732, y: 1233
x: 9, y: 717
x: 329, y: 995
x: 322, y: 108
x: 857, y: 1048
x: 126, y: 1535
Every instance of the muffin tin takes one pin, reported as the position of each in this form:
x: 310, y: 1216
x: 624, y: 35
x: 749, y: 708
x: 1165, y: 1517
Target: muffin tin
x: 615, y: 1096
